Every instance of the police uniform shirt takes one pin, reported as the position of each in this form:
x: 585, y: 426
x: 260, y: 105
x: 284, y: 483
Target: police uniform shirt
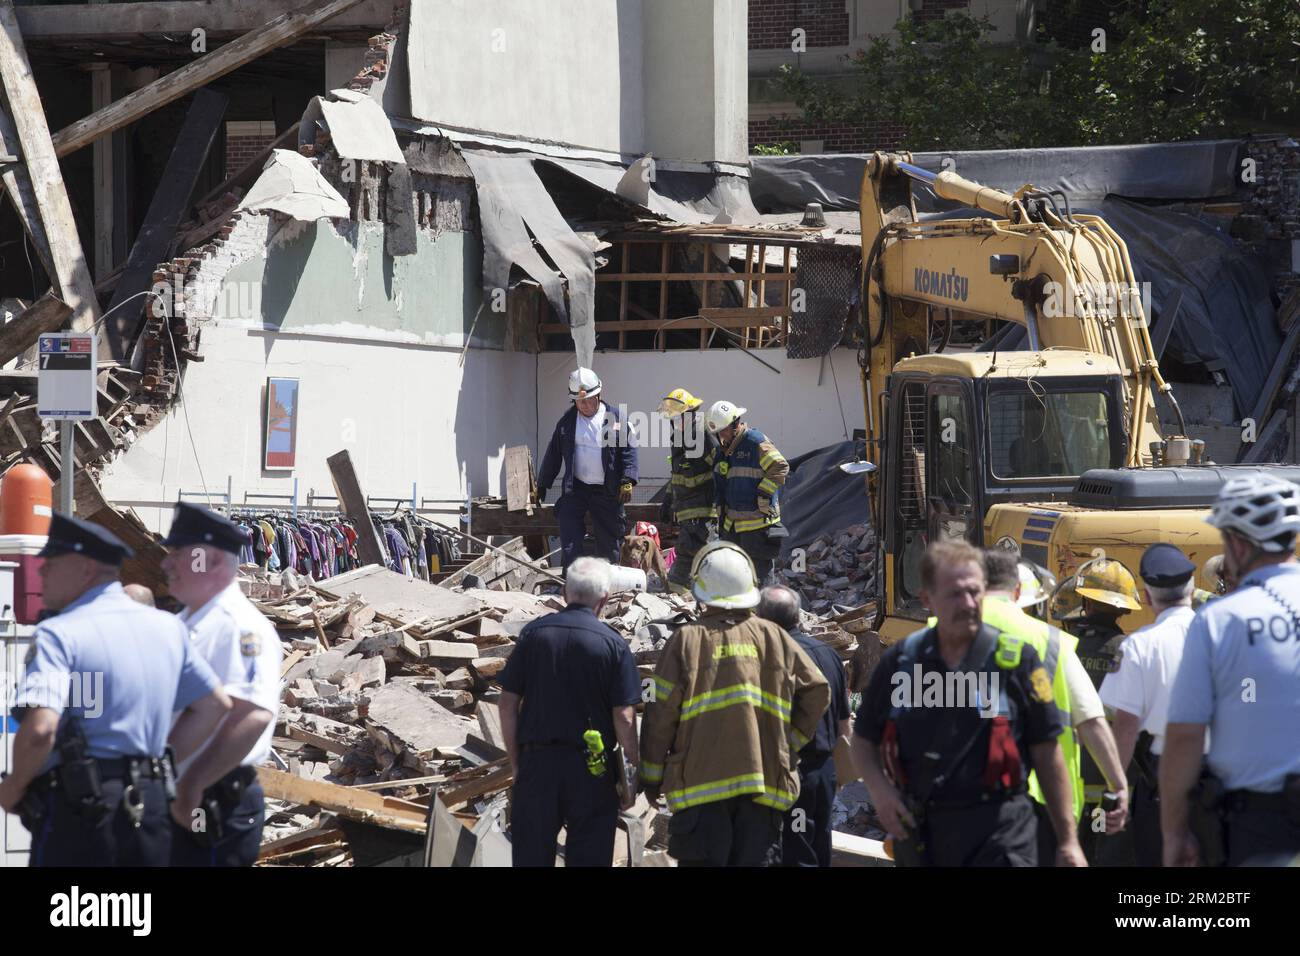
x: 588, y: 446
x: 1240, y: 675
x: 828, y: 662
x: 571, y: 671
x: 120, y: 666
x: 244, y: 650
x: 1146, y: 672
x: 1033, y: 715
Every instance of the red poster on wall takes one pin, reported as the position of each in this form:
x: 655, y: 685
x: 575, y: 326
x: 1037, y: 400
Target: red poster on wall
x: 281, y: 424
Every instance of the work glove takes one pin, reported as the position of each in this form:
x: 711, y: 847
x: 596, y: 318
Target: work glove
x: 541, y: 494
x: 625, y: 492
x: 765, y: 506
x: 666, y: 511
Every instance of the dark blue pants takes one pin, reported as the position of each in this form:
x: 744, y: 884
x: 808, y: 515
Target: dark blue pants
x: 66, y: 838
x: 554, y: 789
x: 608, y: 522
x: 806, y: 839
x: 732, y: 832
x: 241, y: 835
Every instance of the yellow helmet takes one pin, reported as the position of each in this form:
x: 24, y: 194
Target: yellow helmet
x: 1065, y: 603
x: 678, y: 402
x: 1108, y: 582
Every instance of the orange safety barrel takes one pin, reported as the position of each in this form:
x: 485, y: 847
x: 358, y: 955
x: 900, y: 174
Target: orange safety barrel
x: 26, y: 501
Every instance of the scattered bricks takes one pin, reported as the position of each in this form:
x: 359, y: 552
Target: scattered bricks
x: 459, y: 679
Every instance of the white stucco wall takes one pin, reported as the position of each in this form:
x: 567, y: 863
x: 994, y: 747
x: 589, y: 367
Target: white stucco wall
x: 790, y: 408
x: 407, y: 414
x: 668, y: 77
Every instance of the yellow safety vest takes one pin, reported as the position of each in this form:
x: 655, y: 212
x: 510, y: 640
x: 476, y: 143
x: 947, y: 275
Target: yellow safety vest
x: 1009, y: 619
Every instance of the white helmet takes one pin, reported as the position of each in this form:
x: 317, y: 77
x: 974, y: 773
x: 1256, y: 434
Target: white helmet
x: 1260, y: 508
x: 1033, y: 591
x: 724, y: 576
x: 723, y: 414
x: 583, y: 383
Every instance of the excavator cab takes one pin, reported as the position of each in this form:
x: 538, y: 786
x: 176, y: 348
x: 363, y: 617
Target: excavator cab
x: 971, y: 430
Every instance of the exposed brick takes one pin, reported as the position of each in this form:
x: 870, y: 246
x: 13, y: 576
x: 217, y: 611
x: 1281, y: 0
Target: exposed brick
x: 772, y: 22
x: 836, y: 137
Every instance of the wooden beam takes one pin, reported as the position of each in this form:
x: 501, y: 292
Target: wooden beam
x: 666, y: 276
x: 71, y: 274
x: 496, y: 520
x: 171, y: 200
x: 106, y: 22
x: 353, y: 502
x: 46, y: 314
x: 519, y: 478
x: 345, y: 801
x: 272, y: 35
x: 101, y: 94
x: 18, y: 184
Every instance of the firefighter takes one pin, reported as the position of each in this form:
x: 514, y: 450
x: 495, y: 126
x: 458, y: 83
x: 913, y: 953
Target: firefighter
x: 734, y: 699
x: 749, y: 475
x: 690, y: 502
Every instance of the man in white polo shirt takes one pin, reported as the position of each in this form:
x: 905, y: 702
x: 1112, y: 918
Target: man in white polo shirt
x: 1138, y: 692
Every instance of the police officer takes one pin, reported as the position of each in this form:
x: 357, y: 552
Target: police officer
x: 570, y: 675
x: 947, y: 769
x: 749, y: 475
x: 1138, y: 692
x: 101, y: 683
x: 1240, y: 677
x: 806, y: 839
x: 690, y: 501
x: 598, y: 453
x: 219, y: 809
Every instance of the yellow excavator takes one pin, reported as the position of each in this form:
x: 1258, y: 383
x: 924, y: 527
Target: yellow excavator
x: 1054, y: 452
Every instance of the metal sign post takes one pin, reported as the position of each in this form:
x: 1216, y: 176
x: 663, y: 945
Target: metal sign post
x: 66, y: 392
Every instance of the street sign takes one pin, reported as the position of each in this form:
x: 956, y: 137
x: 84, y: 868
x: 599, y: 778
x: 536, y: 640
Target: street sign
x: 65, y: 380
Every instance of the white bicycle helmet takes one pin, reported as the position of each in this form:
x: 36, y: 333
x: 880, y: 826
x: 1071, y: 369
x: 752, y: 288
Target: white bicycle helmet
x: 1260, y: 508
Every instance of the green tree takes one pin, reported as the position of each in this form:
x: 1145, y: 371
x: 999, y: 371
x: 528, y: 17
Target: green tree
x: 1171, y: 69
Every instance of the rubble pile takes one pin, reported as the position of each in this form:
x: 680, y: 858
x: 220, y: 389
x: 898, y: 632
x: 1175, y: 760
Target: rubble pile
x: 836, y: 569
x: 394, y: 705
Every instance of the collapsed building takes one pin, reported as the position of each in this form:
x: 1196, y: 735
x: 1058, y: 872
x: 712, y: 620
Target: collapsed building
x: 394, y: 228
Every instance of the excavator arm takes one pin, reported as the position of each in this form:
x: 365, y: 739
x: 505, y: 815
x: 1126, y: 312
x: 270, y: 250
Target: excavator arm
x: 1066, y: 277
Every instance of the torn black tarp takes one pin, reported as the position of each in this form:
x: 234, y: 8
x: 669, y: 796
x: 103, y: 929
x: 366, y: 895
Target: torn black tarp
x: 515, y: 209
x: 819, y: 499
x: 1167, y: 171
x: 687, y: 197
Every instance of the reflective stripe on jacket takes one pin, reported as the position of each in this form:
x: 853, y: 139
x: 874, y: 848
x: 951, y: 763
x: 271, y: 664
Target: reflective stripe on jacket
x: 735, y: 700
x: 1052, y: 644
x: 750, y: 475
x: 692, y: 488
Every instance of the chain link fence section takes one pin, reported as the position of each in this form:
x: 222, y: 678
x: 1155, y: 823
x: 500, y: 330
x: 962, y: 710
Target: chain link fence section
x: 827, y: 287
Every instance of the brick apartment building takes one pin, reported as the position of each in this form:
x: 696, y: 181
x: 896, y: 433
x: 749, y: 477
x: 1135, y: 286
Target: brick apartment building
x: 834, y: 30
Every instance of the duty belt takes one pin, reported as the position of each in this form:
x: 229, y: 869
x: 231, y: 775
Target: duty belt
x: 994, y: 796
x: 1243, y: 801
x: 551, y: 745
x: 116, y: 768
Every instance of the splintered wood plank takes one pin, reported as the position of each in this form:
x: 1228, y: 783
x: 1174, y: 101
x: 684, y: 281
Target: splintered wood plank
x: 355, y: 804
x: 273, y: 34
x: 519, y: 478
x: 71, y: 273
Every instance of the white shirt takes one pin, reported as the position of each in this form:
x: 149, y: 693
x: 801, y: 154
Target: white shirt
x: 1142, y: 684
x: 1085, y: 705
x: 588, y: 444
x: 242, y: 646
